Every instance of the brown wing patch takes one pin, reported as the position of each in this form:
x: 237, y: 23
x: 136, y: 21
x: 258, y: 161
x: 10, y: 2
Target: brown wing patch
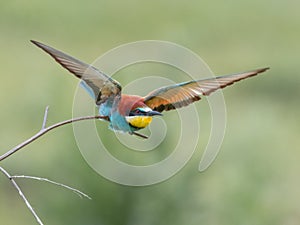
x: 183, y: 94
x: 103, y: 86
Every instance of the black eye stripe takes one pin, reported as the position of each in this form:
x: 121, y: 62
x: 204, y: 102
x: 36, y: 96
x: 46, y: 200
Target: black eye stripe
x: 138, y: 111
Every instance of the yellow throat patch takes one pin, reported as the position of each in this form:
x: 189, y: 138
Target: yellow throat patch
x: 139, y: 121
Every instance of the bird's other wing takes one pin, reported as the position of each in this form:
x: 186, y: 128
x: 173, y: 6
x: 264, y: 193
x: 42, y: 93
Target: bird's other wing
x: 182, y: 94
x: 99, y: 85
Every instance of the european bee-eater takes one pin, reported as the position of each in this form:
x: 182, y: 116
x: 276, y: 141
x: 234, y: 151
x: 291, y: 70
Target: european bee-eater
x: 130, y: 113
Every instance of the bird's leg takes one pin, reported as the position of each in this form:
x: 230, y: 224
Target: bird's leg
x: 139, y: 135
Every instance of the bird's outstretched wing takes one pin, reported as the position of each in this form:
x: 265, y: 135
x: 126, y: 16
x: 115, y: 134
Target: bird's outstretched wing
x: 102, y: 86
x: 183, y: 94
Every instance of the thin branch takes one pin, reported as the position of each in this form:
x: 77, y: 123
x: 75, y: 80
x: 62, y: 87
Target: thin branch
x: 45, y: 117
x: 43, y: 131
x: 46, y: 130
x: 81, y: 194
x: 22, y: 195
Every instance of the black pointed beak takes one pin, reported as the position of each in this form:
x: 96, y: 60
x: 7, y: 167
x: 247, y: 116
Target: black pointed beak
x: 154, y: 113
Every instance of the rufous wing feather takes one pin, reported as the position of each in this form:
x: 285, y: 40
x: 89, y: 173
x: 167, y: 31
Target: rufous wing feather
x: 183, y: 94
x: 102, y: 86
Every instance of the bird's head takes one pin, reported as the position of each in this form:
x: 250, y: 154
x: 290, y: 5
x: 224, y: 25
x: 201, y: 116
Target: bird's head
x: 140, y: 117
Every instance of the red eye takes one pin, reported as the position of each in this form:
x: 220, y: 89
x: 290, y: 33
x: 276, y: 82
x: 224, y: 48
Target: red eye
x: 138, y: 111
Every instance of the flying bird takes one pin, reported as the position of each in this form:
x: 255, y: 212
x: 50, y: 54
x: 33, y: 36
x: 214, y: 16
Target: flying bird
x: 130, y: 113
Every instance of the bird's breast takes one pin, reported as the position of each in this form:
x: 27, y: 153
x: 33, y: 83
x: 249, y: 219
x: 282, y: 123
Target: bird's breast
x: 139, y: 121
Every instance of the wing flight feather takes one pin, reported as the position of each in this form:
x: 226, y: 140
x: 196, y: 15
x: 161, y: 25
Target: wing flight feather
x: 183, y: 94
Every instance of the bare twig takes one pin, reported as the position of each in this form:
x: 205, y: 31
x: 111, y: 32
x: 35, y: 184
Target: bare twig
x: 45, y: 117
x: 45, y: 130
x: 81, y: 194
x: 22, y: 195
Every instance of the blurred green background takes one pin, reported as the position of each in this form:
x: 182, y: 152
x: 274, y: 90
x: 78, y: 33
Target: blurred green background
x: 255, y: 178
